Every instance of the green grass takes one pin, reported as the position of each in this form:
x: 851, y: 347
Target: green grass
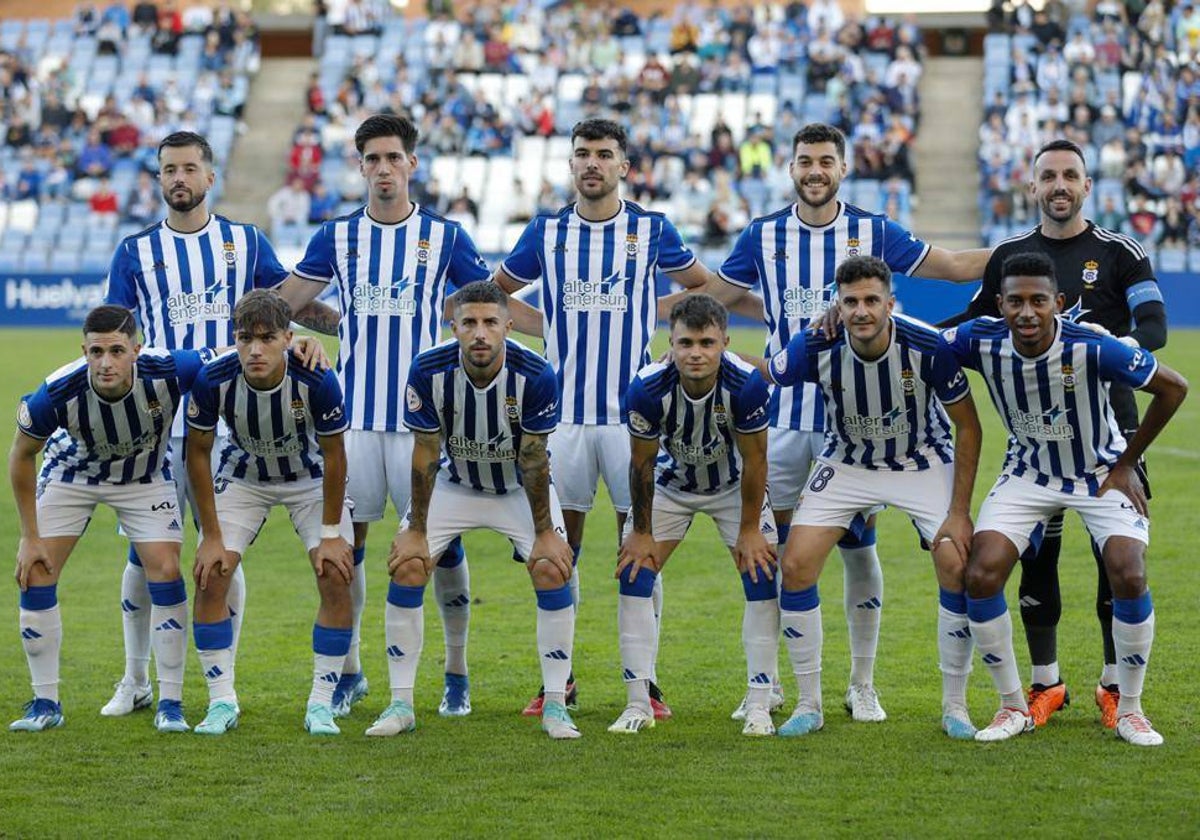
x: 495, y: 773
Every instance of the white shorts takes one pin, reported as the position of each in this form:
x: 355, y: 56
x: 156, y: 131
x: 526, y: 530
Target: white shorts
x: 378, y: 466
x: 145, y: 512
x: 579, y: 455
x: 790, y: 456
x: 836, y: 493
x: 455, y: 509
x: 1017, y: 508
x: 242, y: 508
x: 674, y: 512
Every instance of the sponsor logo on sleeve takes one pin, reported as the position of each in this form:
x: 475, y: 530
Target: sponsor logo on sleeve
x: 24, y: 418
x: 413, y: 399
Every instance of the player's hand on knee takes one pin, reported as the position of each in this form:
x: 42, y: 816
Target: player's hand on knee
x: 638, y: 551
x: 311, y: 352
x: 754, y: 555
x: 958, y: 530
x: 334, y: 557
x: 1126, y: 480
x: 212, y: 558
x: 31, y: 552
x: 409, y: 545
x: 551, y: 547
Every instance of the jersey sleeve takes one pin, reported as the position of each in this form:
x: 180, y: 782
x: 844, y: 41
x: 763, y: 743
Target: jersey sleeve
x: 121, y: 288
x: 958, y: 341
x: 644, y: 413
x: 203, y: 408
x: 750, y: 414
x: 542, y: 408
x: 466, y: 265
x: 317, y: 262
x: 524, y: 264
x: 902, y: 251
x: 36, y: 416
x: 188, y: 364
x: 790, y: 365
x: 740, y: 267
x: 328, y: 407
x: 673, y: 255
x: 949, y: 382
x: 1136, y: 276
x: 420, y: 414
x: 268, y: 271
x: 1121, y: 363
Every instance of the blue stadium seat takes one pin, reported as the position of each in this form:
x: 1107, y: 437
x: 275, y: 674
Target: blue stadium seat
x: 63, y: 260
x: 1172, y: 260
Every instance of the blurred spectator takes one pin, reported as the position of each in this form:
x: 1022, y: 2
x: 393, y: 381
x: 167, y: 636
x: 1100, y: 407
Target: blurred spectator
x: 322, y: 205
x: 144, y: 205
x: 288, y: 206
x: 103, y: 200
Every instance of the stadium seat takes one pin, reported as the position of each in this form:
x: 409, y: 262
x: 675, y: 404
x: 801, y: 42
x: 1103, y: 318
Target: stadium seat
x: 1172, y: 260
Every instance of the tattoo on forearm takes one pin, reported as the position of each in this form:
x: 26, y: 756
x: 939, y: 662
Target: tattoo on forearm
x: 535, y: 476
x: 423, y: 478
x: 319, y: 318
x: 641, y: 486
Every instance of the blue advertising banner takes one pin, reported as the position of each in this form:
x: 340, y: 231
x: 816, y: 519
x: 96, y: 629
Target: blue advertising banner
x: 61, y: 300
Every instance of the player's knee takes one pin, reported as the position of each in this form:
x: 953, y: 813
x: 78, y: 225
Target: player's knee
x: 334, y: 590
x: 984, y: 577
x: 1128, y: 580
x: 215, y: 591
x: 951, y: 567
x: 547, y: 575
x: 410, y: 572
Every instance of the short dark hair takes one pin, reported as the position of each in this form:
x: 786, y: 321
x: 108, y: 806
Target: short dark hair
x: 1062, y: 144
x: 110, y: 318
x: 262, y: 308
x: 597, y: 128
x: 1028, y: 264
x: 183, y: 139
x: 699, y: 311
x: 480, y: 291
x: 863, y: 268
x: 821, y: 133
x: 387, y: 125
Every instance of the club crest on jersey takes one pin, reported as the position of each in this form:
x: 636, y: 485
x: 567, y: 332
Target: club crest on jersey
x: 423, y: 251
x: 298, y: 410
x: 154, y: 409
x: 1091, y: 273
x: 230, y: 253
x: 511, y: 408
x: 24, y: 418
x: 631, y: 244
x: 412, y: 398
x: 719, y: 415
x: 1068, y: 377
x: 639, y: 423
x: 907, y: 381
x: 853, y: 247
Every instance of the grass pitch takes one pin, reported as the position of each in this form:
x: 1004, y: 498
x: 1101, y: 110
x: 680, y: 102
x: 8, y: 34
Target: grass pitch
x: 494, y: 773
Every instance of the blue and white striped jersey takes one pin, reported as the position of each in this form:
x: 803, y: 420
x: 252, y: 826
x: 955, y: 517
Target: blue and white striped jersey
x: 697, y: 437
x: 182, y: 287
x: 793, y: 265
x: 1062, y: 432
x: 886, y: 414
x: 599, y: 302
x: 272, y: 434
x: 94, y: 441
x: 481, y: 428
x: 392, y: 284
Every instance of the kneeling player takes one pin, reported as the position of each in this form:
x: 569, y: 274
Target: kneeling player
x: 483, y: 406
x: 105, y: 421
x: 709, y: 410
x: 885, y: 379
x: 284, y: 448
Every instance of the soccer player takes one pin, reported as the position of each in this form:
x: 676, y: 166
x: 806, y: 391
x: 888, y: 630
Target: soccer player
x: 1049, y: 380
x: 105, y: 422
x: 596, y: 261
x: 393, y: 262
x: 791, y: 256
x: 706, y: 411
x: 1106, y: 279
x: 888, y: 384
x: 181, y: 277
x: 482, y: 407
x: 284, y: 448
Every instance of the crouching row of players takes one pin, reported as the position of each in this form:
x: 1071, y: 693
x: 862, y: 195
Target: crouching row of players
x: 481, y: 408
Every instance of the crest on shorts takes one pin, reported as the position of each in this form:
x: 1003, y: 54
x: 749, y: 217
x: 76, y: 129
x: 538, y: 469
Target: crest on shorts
x: 1068, y: 377
x: 853, y: 247
x: 511, y: 408
x: 24, y: 418
x: 1091, y: 273
x: 423, y: 251
x: 908, y: 381
x: 412, y: 398
x: 230, y: 253
x: 638, y: 422
x: 631, y: 244
x: 298, y: 410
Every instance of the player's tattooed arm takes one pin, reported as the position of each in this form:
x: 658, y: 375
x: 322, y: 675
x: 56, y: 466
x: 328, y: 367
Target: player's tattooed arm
x: 534, y: 461
x: 318, y: 317
x: 427, y: 453
x: 643, y: 455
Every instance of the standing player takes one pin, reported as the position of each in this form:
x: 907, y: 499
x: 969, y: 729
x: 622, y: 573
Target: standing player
x: 1049, y: 380
x: 181, y: 277
x: 888, y: 383
x: 105, y: 421
x: 394, y: 263
x: 1106, y: 279
x: 707, y: 410
x: 285, y: 448
x: 483, y: 407
x: 596, y: 262
x: 791, y: 255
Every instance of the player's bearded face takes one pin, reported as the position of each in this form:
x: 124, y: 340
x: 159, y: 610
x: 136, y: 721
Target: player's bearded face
x: 1060, y: 185
x: 817, y: 171
x: 110, y: 358
x: 481, y: 329
x: 185, y: 178
x: 388, y: 166
x: 1028, y: 305
x: 597, y: 167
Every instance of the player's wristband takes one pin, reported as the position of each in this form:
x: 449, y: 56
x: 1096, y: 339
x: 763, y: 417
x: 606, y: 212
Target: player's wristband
x: 330, y: 532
